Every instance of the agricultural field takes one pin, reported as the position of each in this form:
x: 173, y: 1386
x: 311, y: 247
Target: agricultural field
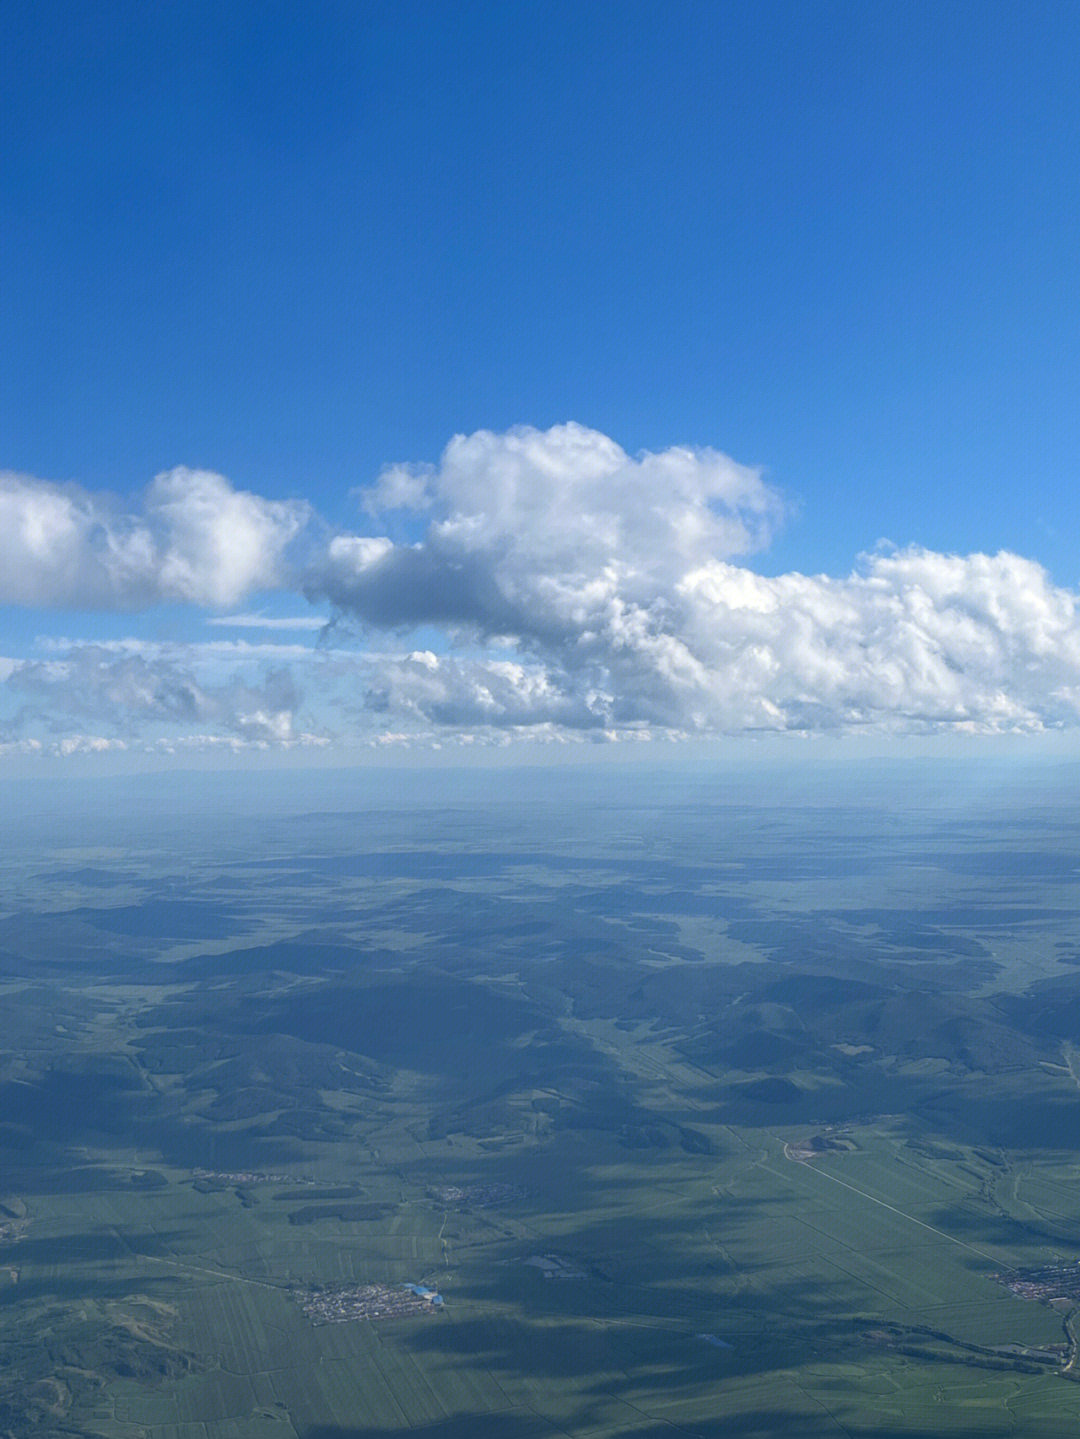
x: 699, y: 1116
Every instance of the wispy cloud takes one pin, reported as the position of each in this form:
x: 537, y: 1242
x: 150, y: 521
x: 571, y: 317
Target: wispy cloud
x: 269, y: 622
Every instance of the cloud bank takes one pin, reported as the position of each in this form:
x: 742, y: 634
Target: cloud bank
x: 614, y: 579
x: 540, y: 583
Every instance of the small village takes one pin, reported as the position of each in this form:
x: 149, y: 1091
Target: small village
x: 368, y: 1301
x: 1047, y: 1284
x: 477, y: 1196
x: 249, y: 1176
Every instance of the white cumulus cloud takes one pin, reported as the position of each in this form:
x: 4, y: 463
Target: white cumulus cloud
x: 541, y: 583
x: 535, y: 532
x: 194, y: 538
x: 616, y: 579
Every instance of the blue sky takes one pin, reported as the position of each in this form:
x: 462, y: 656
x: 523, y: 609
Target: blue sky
x: 291, y: 246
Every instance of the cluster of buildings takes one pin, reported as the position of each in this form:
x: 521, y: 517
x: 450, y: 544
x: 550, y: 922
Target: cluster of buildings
x: 1053, y: 1281
x: 368, y: 1301
x: 250, y: 1176
x: 477, y: 1196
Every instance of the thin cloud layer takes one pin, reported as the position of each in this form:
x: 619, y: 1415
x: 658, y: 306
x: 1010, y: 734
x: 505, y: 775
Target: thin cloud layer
x: 132, y: 695
x: 534, y: 583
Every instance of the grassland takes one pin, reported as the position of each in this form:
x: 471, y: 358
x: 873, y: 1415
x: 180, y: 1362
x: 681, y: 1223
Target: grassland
x: 786, y: 1095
